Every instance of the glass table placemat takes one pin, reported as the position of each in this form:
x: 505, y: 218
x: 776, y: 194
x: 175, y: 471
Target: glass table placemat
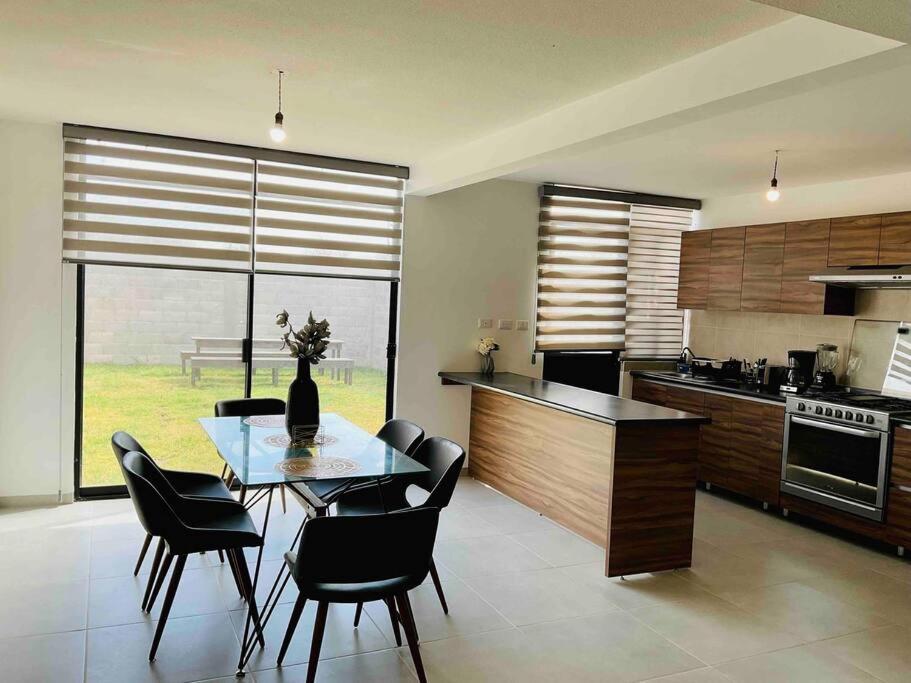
x: 259, y: 451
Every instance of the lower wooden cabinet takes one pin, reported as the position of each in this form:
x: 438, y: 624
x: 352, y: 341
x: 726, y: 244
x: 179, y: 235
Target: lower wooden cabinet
x: 898, y: 517
x: 740, y: 450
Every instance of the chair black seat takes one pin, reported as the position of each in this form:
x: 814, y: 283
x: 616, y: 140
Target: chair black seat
x: 367, y: 501
x: 366, y: 591
x: 198, y: 485
x: 218, y: 527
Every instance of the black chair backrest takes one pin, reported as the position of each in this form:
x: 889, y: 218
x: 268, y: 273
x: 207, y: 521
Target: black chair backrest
x: 402, y: 435
x: 364, y: 548
x: 246, y: 407
x: 122, y: 443
x: 152, y: 495
x: 444, y: 459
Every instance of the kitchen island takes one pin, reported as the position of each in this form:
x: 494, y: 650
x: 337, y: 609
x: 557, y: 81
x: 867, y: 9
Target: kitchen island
x: 619, y: 472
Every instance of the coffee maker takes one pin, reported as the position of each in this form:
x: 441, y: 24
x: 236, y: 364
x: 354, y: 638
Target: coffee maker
x: 800, y: 371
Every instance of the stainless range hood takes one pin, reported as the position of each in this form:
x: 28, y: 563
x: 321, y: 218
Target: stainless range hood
x: 866, y: 277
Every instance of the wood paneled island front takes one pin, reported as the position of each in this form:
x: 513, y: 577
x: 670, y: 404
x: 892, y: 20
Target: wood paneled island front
x: 619, y: 472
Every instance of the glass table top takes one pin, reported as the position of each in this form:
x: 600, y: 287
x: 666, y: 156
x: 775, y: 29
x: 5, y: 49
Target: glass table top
x: 259, y: 451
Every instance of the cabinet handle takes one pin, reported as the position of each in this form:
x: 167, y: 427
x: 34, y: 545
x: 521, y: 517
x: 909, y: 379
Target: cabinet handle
x: 903, y: 489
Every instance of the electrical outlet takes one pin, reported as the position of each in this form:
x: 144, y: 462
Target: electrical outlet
x: 485, y: 323
x: 505, y: 324
x: 522, y: 325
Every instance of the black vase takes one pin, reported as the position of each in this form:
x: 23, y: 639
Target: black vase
x: 302, y: 408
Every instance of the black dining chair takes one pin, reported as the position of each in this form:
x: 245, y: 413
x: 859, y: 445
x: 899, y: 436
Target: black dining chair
x: 189, y: 484
x: 361, y: 559
x: 443, y: 459
x: 402, y: 435
x: 249, y: 407
x: 188, y: 525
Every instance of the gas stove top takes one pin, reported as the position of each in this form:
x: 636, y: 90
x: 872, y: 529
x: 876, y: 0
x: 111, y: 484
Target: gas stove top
x: 870, y: 410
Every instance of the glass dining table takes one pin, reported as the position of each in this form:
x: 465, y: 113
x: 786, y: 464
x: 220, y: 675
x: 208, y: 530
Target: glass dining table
x: 262, y: 456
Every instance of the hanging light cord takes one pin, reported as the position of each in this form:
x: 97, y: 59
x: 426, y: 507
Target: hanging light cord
x: 280, y: 73
x: 774, y: 170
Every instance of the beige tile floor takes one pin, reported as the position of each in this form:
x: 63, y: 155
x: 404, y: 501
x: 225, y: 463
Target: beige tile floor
x: 766, y: 599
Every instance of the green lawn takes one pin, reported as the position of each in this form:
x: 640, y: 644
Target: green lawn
x: 157, y: 405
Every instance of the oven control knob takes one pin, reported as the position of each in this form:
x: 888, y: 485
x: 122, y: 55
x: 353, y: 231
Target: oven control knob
x: 819, y: 410
x: 801, y: 406
x: 837, y: 413
x: 828, y: 412
x: 858, y: 418
x: 849, y: 415
x: 870, y: 419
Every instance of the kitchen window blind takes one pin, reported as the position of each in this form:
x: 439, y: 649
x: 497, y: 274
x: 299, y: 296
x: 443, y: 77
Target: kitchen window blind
x: 154, y: 200
x: 607, y: 271
x: 582, y: 247
x: 654, y: 324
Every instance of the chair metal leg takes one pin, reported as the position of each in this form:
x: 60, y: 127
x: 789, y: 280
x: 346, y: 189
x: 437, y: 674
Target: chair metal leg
x: 224, y: 471
x: 142, y: 554
x: 390, y: 604
x: 321, y: 611
x: 163, y: 572
x: 232, y: 563
x: 411, y: 634
x: 292, y: 625
x: 248, y: 590
x: 436, y: 583
x: 221, y: 556
x: 168, y: 600
x: 156, y: 562
x: 357, y: 614
x: 284, y: 504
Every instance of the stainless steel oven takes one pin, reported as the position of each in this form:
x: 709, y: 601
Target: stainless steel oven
x: 841, y: 461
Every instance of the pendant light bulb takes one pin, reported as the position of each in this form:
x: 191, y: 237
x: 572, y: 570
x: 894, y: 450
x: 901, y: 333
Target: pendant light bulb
x: 277, y: 132
x: 773, y: 194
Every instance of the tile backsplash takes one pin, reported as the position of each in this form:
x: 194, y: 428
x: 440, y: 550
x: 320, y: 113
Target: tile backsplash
x: 721, y: 334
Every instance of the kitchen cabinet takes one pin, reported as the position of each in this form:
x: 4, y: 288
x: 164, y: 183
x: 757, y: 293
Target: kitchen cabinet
x: 854, y: 241
x: 726, y: 269
x: 740, y: 450
x: 695, y: 258
x: 898, y: 505
x: 714, y: 441
x: 806, y: 251
x: 763, y: 259
x: 895, y: 239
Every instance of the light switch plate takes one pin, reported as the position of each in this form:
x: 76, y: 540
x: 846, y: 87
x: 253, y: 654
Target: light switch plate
x: 505, y: 324
x: 521, y: 325
x: 485, y: 323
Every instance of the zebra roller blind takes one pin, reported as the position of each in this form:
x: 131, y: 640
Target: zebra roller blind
x: 607, y: 272
x: 153, y: 200
x: 582, y: 247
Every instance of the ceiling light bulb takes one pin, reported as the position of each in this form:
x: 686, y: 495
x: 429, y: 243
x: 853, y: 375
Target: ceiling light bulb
x: 773, y: 194
x: 277, y: 132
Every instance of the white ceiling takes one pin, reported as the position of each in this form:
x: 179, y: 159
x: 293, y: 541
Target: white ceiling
x: 385, y: 81
x: 889, y: 18
x: 855, y: 128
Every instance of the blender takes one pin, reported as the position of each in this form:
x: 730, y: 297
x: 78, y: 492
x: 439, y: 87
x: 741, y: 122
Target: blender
x: 826, y: 362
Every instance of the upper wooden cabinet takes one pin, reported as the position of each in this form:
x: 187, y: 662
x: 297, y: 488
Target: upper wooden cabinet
x: 895, y: 239
x: 695, y: 257
x: 726, y: 269
x: 763, y: 257
x: 806, y: 251
x: 854, y: 241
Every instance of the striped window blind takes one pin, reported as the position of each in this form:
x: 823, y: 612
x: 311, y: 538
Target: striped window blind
x: 321, y: 221
x: 582, y: 247
x: 654, y: 325
x: 140, y: 199
x: 152, y: 205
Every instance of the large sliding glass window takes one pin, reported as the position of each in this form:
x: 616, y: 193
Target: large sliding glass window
x: 186, y: 251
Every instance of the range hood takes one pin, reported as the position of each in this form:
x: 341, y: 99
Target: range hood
x: 866, y: 277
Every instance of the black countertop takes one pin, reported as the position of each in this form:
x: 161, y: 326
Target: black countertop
x: 721, y: 386
x: 590, y: 404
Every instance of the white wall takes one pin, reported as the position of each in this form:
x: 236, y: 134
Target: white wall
x: 469, y: 253
x: 31, y: 177
x: 879, y: 194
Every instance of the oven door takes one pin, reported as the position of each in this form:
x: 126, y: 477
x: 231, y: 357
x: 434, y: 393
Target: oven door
x: 836, y: 465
